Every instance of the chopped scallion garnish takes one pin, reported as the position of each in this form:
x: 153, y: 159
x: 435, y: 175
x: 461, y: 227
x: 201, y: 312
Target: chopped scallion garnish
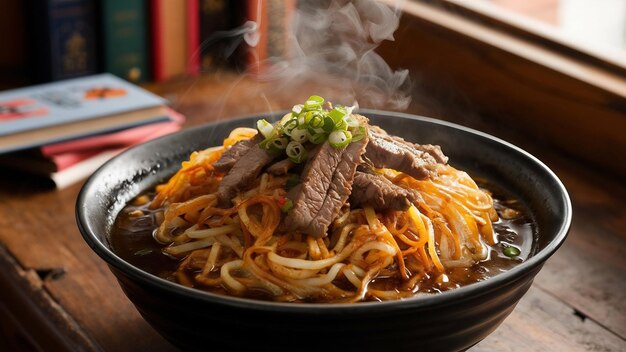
x: 289, y: 125
x: 314, y: 102
x: 297, y: 108
x: 278, y: 144
x: 287, y: 205
x: 511, y: 251
x: 299, y: 135
x: 266, y: 128
x: 316, y: 137
x: 296, y: 152
x: 339, y: 139
x: 309, y: 122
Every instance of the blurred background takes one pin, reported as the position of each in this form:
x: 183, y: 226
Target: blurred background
x: 600, y: 24
x: 157, y: 40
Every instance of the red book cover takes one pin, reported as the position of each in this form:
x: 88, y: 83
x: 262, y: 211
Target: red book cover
x: 256, y: 57
x: 64, y: 160
x: 116, y: 139
x: 70, y: 174
x: 169, y: 39
x: 193, y: 37
x: 269, y: 42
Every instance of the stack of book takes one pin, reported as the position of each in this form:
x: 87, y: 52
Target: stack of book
x: 66, y: 130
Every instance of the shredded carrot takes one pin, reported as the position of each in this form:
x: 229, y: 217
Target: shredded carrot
x: 451, y: 216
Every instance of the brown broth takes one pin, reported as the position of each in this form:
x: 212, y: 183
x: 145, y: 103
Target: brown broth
x: 132, y: 240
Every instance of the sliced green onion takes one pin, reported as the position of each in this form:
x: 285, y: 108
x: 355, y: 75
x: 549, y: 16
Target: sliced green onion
x: 341, y: 126
x: 311, y: 122
x: 289, y: 125
x: 316, y: 135
x: 279, y: 143
x: 287, y: 206
x: 297, y: 108
x: 337, y: 114
x: 266, y: 128
x: 316, y: 138
x: 296, y: 152
x: 316, y: 98
x: 299, y: 135
x: 314, y: 119
x: 274, y: 145
x: 358, y: 133
x: 288, y: 116
x: 511, y: 251
x: 314, y: 102
x: 329, y: 124
x: 339, y: 139
x: 315, y: 131
x: 301, y: 121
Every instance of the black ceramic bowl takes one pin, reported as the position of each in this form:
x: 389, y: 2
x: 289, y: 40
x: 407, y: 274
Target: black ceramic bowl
x: 450, y: 321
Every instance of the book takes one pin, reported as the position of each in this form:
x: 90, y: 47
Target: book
x: 193, y: 37
x: 174, y: 38
x: 270, y: 42
x: 79, y: 171
x: 70, y: 109
x: 216, y: 16
x: 62, y: 38
x: 13, y: 56
x: 68, y: 162
x: 124, y: 39
x: 115, y: 139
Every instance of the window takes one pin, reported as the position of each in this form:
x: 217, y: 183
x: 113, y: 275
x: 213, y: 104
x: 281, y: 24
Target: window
x: 518, y: 72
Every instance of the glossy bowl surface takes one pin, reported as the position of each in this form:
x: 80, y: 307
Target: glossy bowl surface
x: 450, y: 321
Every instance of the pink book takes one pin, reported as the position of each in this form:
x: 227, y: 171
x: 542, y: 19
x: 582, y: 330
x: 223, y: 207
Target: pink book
x: 79, y: 171
x: 116, y: 139
x: 66, y: 159
x: 193, y: 37
x: 69, y: 162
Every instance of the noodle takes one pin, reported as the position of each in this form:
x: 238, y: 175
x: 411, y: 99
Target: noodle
x: 240, y: 249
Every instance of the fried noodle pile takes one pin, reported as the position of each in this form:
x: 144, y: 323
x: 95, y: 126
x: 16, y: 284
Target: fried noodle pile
x: 239, y: 250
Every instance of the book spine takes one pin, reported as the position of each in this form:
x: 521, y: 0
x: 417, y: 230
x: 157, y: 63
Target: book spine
x: 13, y: 56
x: 158, y: 59
x: 193, y: 37
x: 64, y: 41
x: 169, y: 26
x: 278, y: 16
x: 256, y: 57
x: 124, y: 39
x: 273, y: 18
x: 215, y: 16
x: 112, y: 139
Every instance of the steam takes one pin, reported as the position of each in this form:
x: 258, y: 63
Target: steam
x: 332, y: 43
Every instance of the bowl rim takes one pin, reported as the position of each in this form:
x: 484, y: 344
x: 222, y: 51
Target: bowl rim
x: 418, y: 301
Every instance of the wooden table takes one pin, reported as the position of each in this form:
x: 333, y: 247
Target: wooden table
x: 55, y: 293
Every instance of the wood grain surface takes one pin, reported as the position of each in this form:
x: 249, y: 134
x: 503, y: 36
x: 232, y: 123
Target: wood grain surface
x: 575, y: 304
